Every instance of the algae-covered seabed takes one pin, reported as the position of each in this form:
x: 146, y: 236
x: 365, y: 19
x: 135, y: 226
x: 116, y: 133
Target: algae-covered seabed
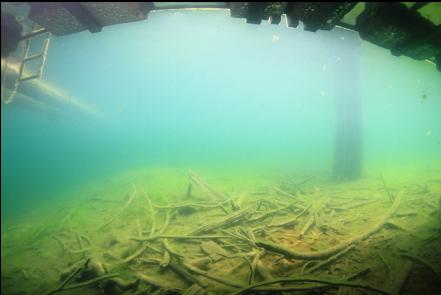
x: 157, y: 231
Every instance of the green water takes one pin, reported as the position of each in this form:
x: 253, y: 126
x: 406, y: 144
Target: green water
x: 253, y: 111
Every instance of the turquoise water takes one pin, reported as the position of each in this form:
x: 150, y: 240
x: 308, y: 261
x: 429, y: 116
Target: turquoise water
x: 193, y: 88
x: 202, y: 90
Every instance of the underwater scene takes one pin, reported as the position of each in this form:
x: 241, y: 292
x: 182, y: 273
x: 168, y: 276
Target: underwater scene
x: 193, y: 153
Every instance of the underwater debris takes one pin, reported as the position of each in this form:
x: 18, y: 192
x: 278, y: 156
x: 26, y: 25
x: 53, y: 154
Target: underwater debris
x: 156, y: 283
x: 212, y: 193
x: 188, y: 194
x: 302, y: 280
x: 129, y: 201
x: 255, y: 249
x: 423, y: 262
x: 87, y: 267
x: 223, y: 223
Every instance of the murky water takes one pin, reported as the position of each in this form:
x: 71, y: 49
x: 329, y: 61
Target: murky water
x: 194, y: 153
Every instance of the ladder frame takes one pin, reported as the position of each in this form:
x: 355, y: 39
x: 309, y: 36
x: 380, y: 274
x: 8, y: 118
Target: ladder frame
x: 26, y: 58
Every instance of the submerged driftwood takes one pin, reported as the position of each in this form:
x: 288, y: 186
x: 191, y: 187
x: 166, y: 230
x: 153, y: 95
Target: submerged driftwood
x: 256, y: 246
x: 290, y: 253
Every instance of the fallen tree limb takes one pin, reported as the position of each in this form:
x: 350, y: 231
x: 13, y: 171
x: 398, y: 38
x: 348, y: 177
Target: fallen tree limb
x: 188, y: 194
x: 263, y: 271
x: 72, y: 251
x: 328, y: 282
x: 63, y: 286
x: 274, y: 211
x: 309, y: 223
x: 100, y: 270
x: 191, y: 205
x: 313, y: 219
x: 158, y: 284
x: 183, y: 273
x: 289, y: 253
x: 129, y: 201
x: 212, y: 193
x: 286, y: 194
x: 225, y: 222
x: 177, y: 237
x: 70, y: 277
x: 152, y: 228
x: 423, y: 262
x: 176, y: 267
x: 401, y: 276
x: 134, y: 255
x: 359, y: 274
x: 211, y: 276
x: 255, y: 262
x: 390, y: 195
x: 329, y: 260
x: 88, y: 283
x: 280, y: 290
x: 168, y: 217
x: 152, y: 214
x: 292, y: 220
x: 383, y: 260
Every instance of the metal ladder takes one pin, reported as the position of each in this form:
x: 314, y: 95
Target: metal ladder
x: 8, y: 98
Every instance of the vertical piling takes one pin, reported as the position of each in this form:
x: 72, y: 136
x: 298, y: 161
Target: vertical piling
x: 348, y: 136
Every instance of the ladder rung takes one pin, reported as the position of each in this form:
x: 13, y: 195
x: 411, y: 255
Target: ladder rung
x: 41, y: 56
x: 35, y: 56
x: 30, y: 77
x: 34, y: 33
